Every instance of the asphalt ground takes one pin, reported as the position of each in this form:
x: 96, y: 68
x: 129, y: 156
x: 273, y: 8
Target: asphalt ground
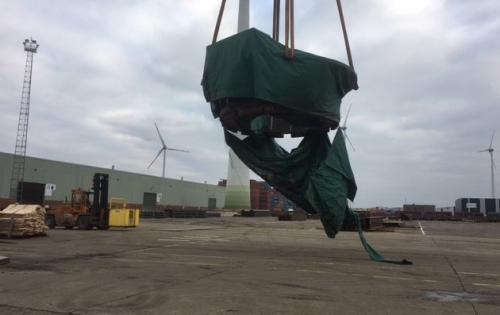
x: 252, y: 266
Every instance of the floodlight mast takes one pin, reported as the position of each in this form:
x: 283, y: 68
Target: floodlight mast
x: 19, y: 160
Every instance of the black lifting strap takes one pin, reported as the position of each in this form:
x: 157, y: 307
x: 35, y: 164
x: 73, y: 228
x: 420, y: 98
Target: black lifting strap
x: 346, y: 40
x: 289, y: 25
x: 219, y: 19
x: 289, y: 28
x: 276, y: 20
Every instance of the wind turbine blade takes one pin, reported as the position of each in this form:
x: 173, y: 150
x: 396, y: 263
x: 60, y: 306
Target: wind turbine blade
x: 492, y: 136
x: 159, y: 134
x: 159, y: 152
x: 485, y: 150
x: 172, y: 149
x: 347, y: 116
x: 347, y: 137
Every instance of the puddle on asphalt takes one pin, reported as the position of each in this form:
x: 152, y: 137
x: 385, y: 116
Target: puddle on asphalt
x: 450, y: 296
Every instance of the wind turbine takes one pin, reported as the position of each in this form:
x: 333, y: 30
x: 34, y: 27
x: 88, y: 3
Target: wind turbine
x: 344, y: 127
x: 163, y: 149
x: 238, y: 175
x: 493, y: 166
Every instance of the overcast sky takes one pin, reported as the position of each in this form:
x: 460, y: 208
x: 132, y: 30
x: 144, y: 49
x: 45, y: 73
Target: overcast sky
x: 429, y: 94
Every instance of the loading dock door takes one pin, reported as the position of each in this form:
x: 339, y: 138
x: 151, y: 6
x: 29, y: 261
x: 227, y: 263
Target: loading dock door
x: 33, y: 193
x: 148, y: 204
x: 212, y: 204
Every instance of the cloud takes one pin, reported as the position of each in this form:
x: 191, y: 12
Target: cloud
x: 107, y: 70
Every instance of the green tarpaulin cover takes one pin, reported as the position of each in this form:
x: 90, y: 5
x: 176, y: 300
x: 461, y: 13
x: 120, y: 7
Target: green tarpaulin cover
x: 251, y: 64
x: 317, y: 174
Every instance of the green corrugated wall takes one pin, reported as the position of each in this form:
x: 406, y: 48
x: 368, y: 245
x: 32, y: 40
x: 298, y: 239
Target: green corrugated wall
x: 130, y: 186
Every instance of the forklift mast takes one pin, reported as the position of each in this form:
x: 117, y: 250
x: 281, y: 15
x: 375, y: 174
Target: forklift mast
x: 100, y: 206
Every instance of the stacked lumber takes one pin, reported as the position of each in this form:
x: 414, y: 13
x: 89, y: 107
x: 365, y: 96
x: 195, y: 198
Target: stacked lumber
x: 22, y: 220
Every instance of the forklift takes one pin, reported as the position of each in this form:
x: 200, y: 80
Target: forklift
x: 82, y: 212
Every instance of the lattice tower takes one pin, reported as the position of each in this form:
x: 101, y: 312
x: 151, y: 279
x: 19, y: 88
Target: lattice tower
x: 17, y: 175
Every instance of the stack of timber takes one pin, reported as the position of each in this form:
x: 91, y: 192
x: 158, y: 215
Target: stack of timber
x: 23, y: 220
x: 5, y: 202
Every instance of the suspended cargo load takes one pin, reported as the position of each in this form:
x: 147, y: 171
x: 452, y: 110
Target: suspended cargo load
x: 254, y: 88
x: 264, y: 89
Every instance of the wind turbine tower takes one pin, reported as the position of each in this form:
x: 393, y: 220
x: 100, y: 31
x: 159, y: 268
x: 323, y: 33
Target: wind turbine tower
x: 17, y: 175
x: 238, y: 175
x: 490, y: 150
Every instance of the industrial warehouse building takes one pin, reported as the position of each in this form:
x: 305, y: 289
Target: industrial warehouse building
x: 477, y: 205
x: 60, y: 178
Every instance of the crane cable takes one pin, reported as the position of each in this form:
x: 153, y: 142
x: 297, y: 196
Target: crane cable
x: 276, y: 20
x: 289, y: 27
x: 219, y: 19
x: 344, y: 31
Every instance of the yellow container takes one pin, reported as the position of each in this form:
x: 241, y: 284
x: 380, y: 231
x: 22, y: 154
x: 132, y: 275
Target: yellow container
x: 137, y: 216
x: 124, y: 217
x: 120, y: 216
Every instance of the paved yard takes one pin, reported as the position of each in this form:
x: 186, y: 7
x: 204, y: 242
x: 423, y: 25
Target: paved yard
x: 252, y: 266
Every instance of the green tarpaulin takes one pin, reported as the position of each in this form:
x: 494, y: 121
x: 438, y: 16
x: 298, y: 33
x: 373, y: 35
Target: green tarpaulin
x: 252, y: 65
x: 317, y: 174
